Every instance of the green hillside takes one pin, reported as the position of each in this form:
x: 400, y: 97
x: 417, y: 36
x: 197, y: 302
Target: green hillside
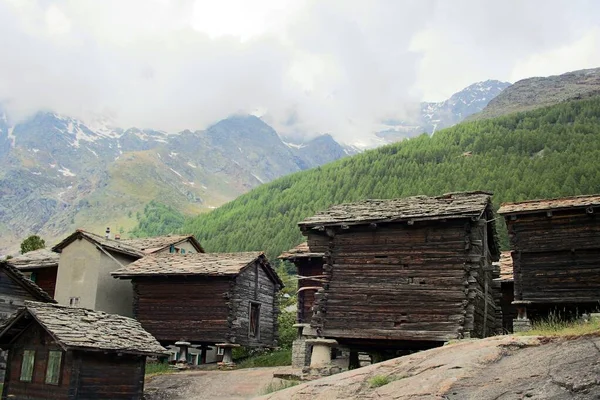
x: 539, y: 154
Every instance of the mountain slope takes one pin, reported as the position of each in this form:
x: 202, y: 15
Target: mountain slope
x: 532, y: 93
x: 544, y: 153
x: 435, y: 116
x: 58, y: 173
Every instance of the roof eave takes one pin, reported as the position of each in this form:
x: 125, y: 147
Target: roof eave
x: 317, y: 225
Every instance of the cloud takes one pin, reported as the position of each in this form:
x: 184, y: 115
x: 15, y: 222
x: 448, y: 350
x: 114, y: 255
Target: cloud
x: 308, y: 66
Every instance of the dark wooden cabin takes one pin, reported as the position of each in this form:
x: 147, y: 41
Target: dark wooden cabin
x: 59, y: 352
x: 505, y: 292
x: 15, y: 289
x: 406, y: 273
x: 308, y: 265
x: 555, y: 247
x: 206, y: 298
x: 41, y: 266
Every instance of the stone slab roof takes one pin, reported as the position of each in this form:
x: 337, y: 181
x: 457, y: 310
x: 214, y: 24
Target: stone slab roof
x: 36, y: 291
x: 211, y: 264
x: 194, y: 264
x: 36, y: 259
x: 300, y: 251
x: 563, y: 203
x: 83, y: 329
x: 109, y: 244
x: 153, y: 244
x: 506, y: 267
x: 416, y: 208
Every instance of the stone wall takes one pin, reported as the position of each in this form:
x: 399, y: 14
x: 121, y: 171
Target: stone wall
x: 2, y: 365
x: 300, y: 352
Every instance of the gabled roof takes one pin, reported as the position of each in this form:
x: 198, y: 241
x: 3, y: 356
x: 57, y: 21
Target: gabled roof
x: 506, y: 267
x: 416, y: 208
x: 27, y: 284
x: 158, y: 243
x: 194, y: 264
x: 300, y: 251
x: 83, y: 329
x: 108, y: 244
x: 564, y: 203
x: 36, y: 259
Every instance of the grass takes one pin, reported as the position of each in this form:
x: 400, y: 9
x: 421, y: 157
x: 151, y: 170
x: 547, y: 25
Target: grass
x: 382, y: 380
x: 556, y: 326
x: 280, y: 385
x: 274, y: 358
x: 155, y: 368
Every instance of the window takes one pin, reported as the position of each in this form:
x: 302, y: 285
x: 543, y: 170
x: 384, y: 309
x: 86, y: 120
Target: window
x: 220, y: 351
x: 182, y: 251
x: 74, y: 301
x: 171, y: 249
x: 53, y: 368
x: 254, y: 320
x: 27, y: 366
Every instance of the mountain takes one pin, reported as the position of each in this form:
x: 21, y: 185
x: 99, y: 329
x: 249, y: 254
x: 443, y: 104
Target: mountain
x: 544, y: 153
x: 58, y: 173
x: 435, y: 116
x: 532, y: 93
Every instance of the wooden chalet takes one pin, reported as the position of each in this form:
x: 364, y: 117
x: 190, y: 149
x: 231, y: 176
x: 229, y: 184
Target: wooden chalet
x: 60, y: 352
x: 41, y: 266
x: 405, y: 273
x: 15, y: 289
x: 206, y: 298
x: 555, y: 247
x: 308, y: 265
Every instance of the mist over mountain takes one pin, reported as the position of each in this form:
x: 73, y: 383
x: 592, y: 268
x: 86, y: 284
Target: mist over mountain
x: 58, y: 173
x: 435, y: 116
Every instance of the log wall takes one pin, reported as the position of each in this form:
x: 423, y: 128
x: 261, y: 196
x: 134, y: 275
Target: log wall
x: 108, y: 376
x: 253, y: 285
x: 556, y: 258
x: 400, y: 282
x: 179, y: 308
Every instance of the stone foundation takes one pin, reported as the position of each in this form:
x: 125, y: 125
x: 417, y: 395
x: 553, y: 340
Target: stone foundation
x: 300, y: 353
x: 3, y: 356
x: 521, y: 325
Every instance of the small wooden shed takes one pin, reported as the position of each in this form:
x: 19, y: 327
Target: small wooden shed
x: 206, y: 298
x: 555, y: 247
x: 406, y: 273
x: 59, y: 352
x: 309, y: 268
x: 41, y: 266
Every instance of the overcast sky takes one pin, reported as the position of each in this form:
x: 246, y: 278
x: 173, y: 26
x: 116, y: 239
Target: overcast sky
x: 310, y: 66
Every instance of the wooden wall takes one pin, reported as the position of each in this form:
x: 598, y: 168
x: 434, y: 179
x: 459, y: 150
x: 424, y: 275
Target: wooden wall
x: 254, y: 285
x: 556, y: 258
x: 46, y: 279
x: 36, y: 338
x: 109, y: 376
x: 180, y: 308
x: 400, y: 282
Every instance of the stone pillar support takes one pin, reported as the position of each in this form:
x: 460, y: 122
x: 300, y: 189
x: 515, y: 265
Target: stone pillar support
x: 183, y: 351
x: 227, y: 362
x: 321, y: 352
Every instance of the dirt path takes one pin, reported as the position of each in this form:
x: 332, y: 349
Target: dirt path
x: 210, y: 385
